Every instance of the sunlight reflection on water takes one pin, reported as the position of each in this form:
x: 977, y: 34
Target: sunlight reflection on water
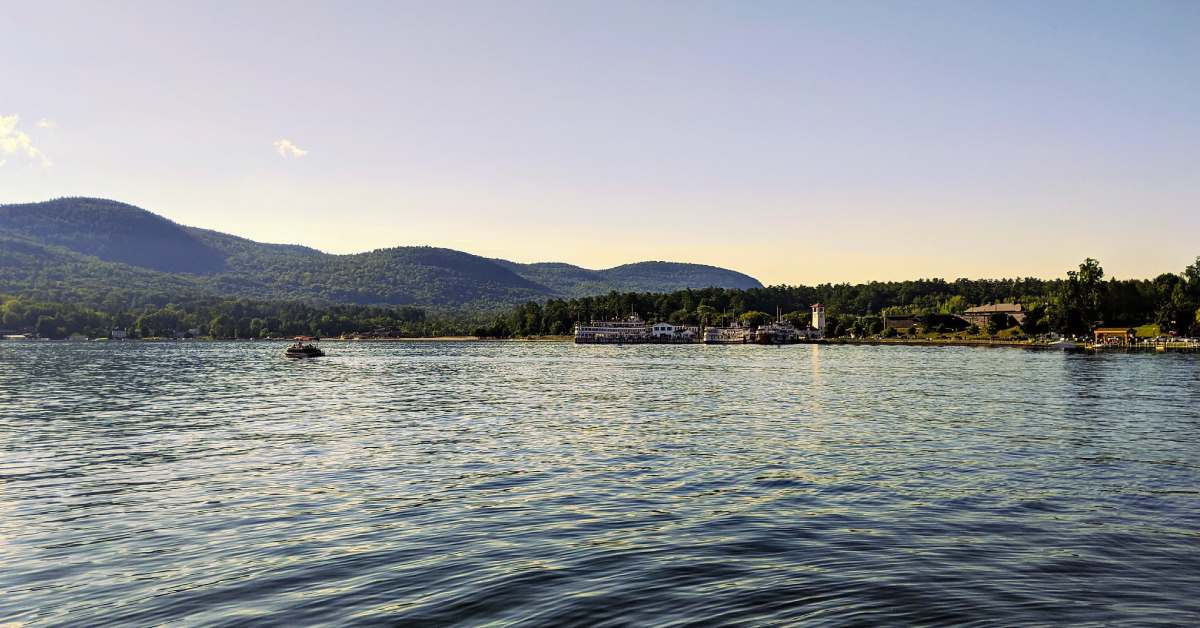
x: 408, y: 482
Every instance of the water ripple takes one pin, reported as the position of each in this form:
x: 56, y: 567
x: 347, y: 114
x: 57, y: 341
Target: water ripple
x: 549, y: 484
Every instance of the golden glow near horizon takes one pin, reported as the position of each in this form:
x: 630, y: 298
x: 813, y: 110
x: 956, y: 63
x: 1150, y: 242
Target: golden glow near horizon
x: 768, y: 249
x: 796, y: 143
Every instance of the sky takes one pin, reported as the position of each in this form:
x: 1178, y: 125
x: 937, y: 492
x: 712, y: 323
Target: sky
x: 798, y: 142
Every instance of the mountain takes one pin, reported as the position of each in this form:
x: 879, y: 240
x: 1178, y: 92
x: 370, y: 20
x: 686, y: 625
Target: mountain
x: 90, y: 246
x: 113, y: 232
x: 569, y: 280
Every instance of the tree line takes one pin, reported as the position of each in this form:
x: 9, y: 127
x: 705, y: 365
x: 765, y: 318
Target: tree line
x: 1074, y: 305
x: 217, y: 318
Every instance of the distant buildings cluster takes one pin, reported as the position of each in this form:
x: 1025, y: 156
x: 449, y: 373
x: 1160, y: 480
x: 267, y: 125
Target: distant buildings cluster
x: 633, y: 330
x: 115, y: 334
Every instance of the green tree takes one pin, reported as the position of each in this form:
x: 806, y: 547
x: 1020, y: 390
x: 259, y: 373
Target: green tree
x: 1036, y: 320
x: 998, y: 322
x: 754, y: 318
x: 12, y: 318
x: 1175, y: 313
x: 706, y: 314
x: 800, y: 319
x: 47, y: 327
x: 158, y: 323
x: 956, y: 304
x: 1080, y: 298
x: 222, y: 326
x: 1191, y: 275
x: 680, y: 317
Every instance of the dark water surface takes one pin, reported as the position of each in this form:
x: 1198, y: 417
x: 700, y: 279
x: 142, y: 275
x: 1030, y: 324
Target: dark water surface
x: 217, y: 483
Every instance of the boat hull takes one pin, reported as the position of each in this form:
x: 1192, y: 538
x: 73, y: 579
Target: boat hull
x: 301, y: 355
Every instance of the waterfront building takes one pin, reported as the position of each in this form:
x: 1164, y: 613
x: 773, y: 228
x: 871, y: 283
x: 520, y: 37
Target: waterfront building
x: 1114, y: 335
x: 662, y: 330
x: 666, y: 332
x: 900, y: 323
x: 634, y: 330
x: 980, y: 315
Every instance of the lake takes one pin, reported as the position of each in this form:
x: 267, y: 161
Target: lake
x: 216, y: 483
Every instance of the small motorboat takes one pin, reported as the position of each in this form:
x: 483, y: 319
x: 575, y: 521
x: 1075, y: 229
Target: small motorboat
x: 1063, y: 344
x: 303, y: 348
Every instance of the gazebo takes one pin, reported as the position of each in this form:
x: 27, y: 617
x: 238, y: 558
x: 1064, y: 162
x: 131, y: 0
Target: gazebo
x: 1114, y: 335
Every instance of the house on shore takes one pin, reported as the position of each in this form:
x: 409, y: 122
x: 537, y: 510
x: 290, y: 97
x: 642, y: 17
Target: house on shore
x: 666, y: 332
x: 980, y: 315
x: 899, y: 323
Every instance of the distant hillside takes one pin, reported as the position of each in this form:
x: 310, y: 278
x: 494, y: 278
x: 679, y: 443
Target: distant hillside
x: 113, y: 232
x: 657, y: 276
x: 568, y: 280
x: 91, y: 245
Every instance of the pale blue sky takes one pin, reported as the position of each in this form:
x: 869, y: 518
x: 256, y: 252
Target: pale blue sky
x: 799, y: 142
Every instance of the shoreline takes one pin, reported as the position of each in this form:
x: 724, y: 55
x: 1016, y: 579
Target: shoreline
x: 1177, y: 347
x: 939, y: 343
x: 454, y: 339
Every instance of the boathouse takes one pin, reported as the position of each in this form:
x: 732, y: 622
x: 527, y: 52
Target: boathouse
x: 1114, y: 335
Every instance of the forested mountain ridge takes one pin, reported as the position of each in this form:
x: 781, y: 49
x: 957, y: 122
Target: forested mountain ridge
x: 88, y: 246
x: 569, y: 280
x: 113, y: 232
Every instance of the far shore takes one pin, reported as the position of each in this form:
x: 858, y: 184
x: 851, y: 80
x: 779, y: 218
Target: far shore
x: 1184, y: 345
x: 457, y: 339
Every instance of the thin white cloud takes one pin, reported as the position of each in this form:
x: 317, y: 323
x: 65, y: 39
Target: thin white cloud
x: 287, y: 149
x: 14, y: 142
x: 46, y: 123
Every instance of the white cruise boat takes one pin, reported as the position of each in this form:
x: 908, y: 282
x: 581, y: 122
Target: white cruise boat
x: 629, y: 331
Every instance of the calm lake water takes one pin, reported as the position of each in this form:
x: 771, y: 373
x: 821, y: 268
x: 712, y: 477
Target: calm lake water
x: 545, y: 483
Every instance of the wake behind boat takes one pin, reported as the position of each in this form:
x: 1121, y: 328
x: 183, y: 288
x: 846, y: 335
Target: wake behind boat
x: 304, y: 348
x: 1064, y: 344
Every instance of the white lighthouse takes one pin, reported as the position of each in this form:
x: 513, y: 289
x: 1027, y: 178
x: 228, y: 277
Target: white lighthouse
x: 818, y: 318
